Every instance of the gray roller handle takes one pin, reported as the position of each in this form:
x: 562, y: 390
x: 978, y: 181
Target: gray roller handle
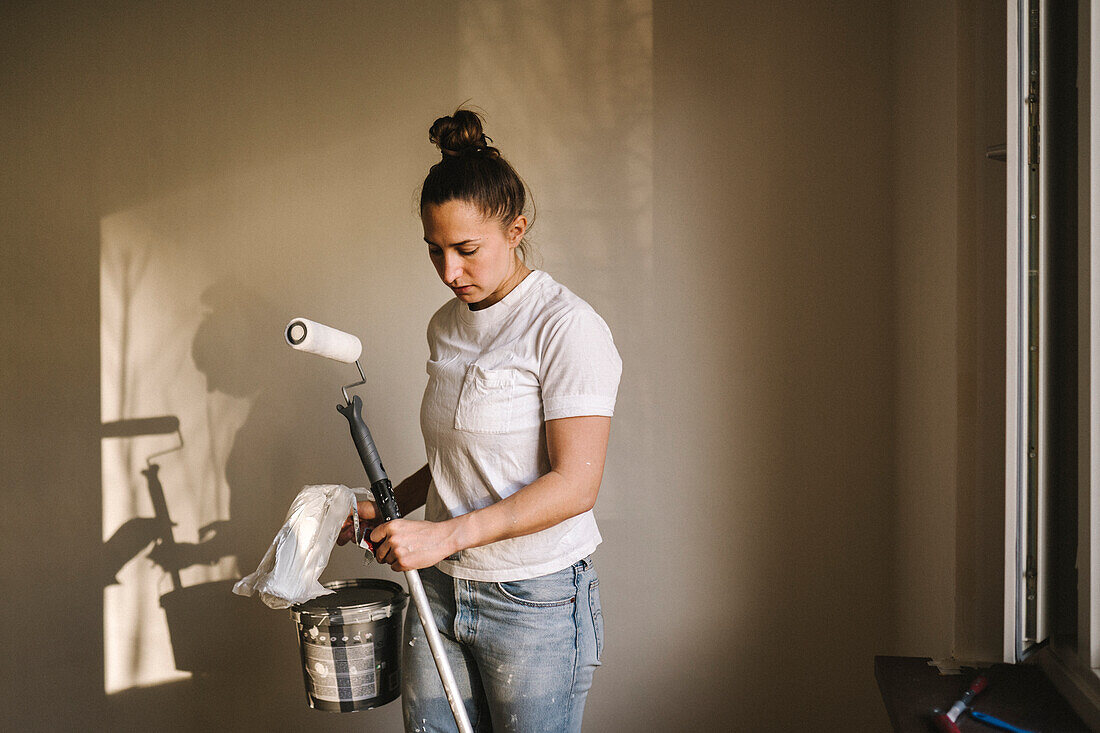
x: 380, y: 484
x: 364, y: 443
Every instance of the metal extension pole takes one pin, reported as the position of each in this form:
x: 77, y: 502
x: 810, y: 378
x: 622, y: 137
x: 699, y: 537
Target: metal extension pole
x: 435, y: 643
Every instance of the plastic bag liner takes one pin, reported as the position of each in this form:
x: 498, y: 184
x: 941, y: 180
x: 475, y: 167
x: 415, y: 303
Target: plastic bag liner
x: 299, y: 553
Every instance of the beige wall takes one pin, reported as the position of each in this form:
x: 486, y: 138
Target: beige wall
x: 979, y: 567
x: 763, y: 199
x: 924, y: 202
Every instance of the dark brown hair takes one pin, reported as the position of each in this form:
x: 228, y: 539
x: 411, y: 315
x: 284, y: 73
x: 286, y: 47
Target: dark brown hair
x: 472, y: 170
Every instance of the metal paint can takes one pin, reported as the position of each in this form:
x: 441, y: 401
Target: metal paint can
x: 350, y: 643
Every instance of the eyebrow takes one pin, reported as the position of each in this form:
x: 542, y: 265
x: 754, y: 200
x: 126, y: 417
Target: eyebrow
x: 454, y: 244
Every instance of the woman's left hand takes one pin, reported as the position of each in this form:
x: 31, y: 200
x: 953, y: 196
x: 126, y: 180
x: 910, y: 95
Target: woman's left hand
x: 409, y: 544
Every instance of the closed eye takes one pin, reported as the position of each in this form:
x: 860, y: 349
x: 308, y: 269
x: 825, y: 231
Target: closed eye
x: 436, y: 251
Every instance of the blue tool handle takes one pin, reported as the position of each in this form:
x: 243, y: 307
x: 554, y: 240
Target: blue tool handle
x: 996, y: 722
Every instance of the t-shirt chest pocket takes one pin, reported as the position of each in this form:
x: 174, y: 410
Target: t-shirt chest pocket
x: 485, y: 403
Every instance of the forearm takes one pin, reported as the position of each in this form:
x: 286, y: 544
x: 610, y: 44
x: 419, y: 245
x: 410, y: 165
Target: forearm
x: 547, y: 501
x: 576, y: 448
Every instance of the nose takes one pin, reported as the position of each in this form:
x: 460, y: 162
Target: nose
x: 452, y: 267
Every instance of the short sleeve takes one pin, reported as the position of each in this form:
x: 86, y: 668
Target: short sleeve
x: 579, y: 367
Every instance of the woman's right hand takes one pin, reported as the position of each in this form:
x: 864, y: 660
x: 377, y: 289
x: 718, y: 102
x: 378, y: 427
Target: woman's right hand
x: 368, y: 520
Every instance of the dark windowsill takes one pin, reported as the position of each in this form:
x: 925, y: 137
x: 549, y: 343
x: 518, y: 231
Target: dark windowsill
x: 1019, y: 694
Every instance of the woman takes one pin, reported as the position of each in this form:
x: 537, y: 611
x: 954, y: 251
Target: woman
x: 522, y: 379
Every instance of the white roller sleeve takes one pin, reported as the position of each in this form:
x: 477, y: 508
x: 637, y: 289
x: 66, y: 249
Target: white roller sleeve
x: 317, y: 338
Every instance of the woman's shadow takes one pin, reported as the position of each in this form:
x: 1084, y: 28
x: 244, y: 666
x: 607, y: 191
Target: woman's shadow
x: 231, y: 643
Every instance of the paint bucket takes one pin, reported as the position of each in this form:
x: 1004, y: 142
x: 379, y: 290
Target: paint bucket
x: 351, y: 644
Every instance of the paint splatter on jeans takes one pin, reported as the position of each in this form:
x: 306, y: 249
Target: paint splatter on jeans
x: 523, y: 653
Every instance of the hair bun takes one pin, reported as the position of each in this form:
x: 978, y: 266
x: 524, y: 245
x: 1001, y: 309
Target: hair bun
x: 461, y: 134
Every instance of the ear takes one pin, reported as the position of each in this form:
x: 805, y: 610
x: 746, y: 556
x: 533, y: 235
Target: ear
x: 515, y: 231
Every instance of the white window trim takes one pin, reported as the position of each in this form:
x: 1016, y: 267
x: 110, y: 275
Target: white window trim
x: 1016, y: 341
x: 1014, y: 190
x: 1089, y: 507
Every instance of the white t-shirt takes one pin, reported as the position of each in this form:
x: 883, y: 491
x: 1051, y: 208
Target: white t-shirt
x: 494, y: 377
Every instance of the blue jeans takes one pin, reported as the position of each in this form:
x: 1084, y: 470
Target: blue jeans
x: 523, y: 653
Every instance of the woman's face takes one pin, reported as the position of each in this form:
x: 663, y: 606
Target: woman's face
x: 473, y: 256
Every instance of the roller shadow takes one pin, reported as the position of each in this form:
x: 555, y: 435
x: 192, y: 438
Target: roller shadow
x: 137, y: 533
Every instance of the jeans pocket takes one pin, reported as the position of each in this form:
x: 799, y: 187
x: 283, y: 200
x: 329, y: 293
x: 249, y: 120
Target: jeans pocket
x: 546, y: 591
x: 485, y: 403
x: 597, y: 616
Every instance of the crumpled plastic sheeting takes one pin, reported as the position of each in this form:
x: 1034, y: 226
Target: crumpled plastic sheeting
x: 300, y: 551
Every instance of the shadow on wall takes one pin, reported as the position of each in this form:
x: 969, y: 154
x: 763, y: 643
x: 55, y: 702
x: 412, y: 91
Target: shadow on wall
x: 210, y: 631
x: 231, y: 354
x: 234, y: 346
x: 185, y: 620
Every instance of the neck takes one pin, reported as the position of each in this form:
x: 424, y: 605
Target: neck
x: 519, y: 272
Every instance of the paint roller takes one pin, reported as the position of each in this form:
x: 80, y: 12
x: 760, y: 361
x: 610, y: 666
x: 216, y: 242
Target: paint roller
x: 316, y: 338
